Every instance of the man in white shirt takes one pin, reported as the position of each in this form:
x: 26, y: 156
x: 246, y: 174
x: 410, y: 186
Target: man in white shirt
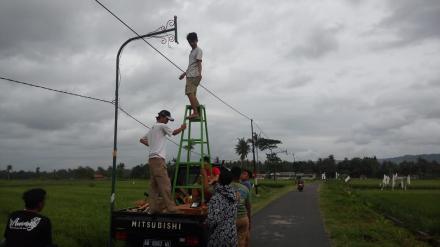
x: 193, y: 73
x: 160, y: 184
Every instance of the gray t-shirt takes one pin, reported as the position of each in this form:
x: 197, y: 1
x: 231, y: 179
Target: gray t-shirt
x: 193, y: 70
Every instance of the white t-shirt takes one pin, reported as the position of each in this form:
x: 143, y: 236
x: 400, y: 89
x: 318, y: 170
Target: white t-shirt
x: 156, y: 140
x: 193, y: 69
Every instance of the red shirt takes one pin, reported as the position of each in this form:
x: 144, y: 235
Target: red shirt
x: 215, y: 171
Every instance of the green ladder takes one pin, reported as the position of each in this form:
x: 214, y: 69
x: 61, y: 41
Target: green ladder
x: 183, y: 177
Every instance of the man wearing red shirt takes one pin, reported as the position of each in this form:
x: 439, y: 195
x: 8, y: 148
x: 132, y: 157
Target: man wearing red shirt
x: 208, y: 179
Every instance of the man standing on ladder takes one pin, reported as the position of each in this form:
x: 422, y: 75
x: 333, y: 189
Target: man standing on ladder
x: 193, y: 74
x: 160, y: 182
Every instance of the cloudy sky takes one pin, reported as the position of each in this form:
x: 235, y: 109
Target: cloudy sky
x: 349, y: 78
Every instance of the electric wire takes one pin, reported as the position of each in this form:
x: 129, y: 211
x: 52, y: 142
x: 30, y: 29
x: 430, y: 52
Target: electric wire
x: 55, y: 90
x: 86, y: 97
x: 169, y: 60
x: 261, y: 130
x: 148, y: 127
x: 164, y: 56
x: 131, y: 29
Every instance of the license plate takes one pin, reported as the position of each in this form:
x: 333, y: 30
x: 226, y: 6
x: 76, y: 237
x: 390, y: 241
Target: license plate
x: 156, y: 243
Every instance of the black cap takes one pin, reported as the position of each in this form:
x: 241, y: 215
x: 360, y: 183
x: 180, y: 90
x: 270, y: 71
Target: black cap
x: 166, y: 114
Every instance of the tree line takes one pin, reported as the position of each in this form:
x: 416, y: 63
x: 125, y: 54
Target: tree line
x: 355, y: 167
x: 370, y: 167
x: 81, y: 172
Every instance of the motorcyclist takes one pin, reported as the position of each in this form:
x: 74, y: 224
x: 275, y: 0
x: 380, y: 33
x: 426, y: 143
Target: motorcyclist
x: 300, y: 183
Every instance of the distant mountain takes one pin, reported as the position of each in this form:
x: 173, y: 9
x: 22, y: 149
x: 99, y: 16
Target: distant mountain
x: 408, y: 157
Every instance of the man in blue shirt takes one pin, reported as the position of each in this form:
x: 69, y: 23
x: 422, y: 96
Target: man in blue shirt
x: 245, y: 177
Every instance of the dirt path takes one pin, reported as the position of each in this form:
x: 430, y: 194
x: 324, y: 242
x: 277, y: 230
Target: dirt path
x: 292, y: 220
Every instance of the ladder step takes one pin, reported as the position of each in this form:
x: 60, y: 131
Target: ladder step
x: 201, y: 110
x: 196, y: 119
x: 192, y: 140
x: 200, y: 107
x: 195, y: 141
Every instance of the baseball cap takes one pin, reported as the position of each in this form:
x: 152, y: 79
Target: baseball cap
x: 166, y: 114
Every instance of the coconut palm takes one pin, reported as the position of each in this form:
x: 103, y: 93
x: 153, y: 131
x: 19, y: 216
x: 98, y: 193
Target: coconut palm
x: 242, y: 148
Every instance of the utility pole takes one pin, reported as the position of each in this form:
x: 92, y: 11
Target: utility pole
x: 253, y: 156
x: 293, y: 164
x: 163, y: 30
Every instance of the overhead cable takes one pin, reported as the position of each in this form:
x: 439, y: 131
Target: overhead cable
x: 85, y: 97
x: 55, y: 90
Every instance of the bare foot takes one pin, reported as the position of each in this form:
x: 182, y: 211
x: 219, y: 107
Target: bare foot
x: 192, y: 116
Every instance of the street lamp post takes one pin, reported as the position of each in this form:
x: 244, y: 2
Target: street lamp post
x: 171, y: 26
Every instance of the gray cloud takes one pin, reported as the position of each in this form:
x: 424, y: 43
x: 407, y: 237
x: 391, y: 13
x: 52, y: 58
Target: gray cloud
x: 320, y: 42
x: 412, y: 21
x: 304, y: 71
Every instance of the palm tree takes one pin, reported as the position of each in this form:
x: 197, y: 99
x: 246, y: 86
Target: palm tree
x: 242, y: 148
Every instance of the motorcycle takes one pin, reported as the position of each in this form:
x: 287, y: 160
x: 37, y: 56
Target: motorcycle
x: 300, y: 186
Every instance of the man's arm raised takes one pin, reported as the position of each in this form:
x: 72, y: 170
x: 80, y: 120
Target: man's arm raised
x: 177, y: 131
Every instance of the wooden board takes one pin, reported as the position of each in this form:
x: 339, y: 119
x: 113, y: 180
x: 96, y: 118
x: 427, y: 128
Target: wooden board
x: 186, y: 209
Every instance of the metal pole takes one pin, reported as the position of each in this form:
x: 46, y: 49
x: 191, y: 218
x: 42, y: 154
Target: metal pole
x: 253, y: 156
x: 115, y: 136
x: 258, y: 158
x: 274, y: 167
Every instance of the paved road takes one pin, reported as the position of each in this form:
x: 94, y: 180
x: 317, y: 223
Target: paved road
x: 292, y: 220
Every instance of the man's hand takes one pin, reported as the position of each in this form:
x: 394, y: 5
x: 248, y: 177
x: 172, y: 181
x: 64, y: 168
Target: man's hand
x: 182, y: 76
x: 144, y: 141
x: 214, y: 179
x: 177, y: 131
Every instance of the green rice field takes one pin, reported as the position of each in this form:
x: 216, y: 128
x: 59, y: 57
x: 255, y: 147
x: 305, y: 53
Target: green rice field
x: 79, y: 210
x: 364, y: 207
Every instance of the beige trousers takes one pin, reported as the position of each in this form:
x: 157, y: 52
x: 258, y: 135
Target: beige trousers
x: 160, y: 187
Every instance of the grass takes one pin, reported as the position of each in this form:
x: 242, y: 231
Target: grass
x: 419, y: 209
x: 351, y: 222
x: 79, y: 210
x: 269, y: 191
